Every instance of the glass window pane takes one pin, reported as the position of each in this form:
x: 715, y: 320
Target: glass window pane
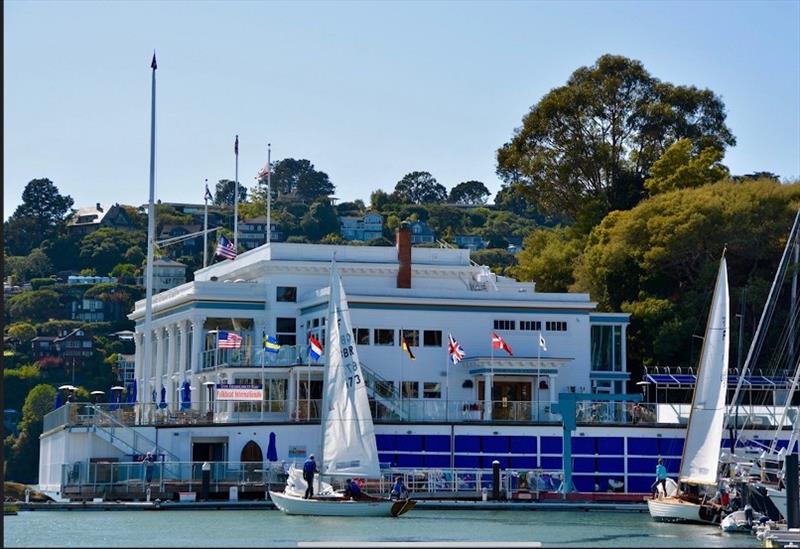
x: 411, y: 336
x: 384, y: 336
x: 284, y: 325
x: 433, y: 338
x: 286, y: 293
x: 432, y: 390
x: 410, y: 389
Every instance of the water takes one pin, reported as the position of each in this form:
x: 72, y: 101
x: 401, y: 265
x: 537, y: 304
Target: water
x: 273, y: 528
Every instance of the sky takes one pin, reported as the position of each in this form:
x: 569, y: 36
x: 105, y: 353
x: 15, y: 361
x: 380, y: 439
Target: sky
x: 367, y: 91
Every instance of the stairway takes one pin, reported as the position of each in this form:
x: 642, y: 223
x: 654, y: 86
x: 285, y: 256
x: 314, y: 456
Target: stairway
x: 384, y: 394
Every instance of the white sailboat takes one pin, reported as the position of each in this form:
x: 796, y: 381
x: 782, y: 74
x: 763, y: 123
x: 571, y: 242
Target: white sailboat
x: 348, y: 434
x: 700, y: 462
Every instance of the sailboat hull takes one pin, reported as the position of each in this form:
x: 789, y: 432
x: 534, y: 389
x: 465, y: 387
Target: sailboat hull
x: 672, y: 509
x: 293, y: 505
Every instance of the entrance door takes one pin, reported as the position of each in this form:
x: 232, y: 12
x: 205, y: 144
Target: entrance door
x: 252, y: 460
x: 511, y: 400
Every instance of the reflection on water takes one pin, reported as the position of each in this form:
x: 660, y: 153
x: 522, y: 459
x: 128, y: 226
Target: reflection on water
x: 273, y: 528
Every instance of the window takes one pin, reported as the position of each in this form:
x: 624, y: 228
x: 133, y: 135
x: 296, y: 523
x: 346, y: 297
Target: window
x: 315, y: 323
x: 432, y: 390
x: 556, y: 326
x: 606, y: 354
x: 432, y: 338
x: 530, y: 325
x: 286, y: 330
x: 287, y: 293
x: 504, y: 325
x: 411, y: 336
x: 384, y: 336
x: 361, y: 335
x: 410, y: 389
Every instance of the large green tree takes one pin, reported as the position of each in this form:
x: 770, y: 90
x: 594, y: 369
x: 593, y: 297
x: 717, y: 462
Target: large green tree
x: 103, y: 249
x: 420, y: 188
x: 680, y: 168
x: 40, y: 216
x: 23, y: 465
x: 224, y: 193
x: 320, y: 220
x: 595, y: 139
x: 298, y: 177
x: 35, y: 306
x: 470, y: 192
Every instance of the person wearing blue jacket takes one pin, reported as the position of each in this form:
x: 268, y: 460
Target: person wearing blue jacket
x: 661, y: 478
x: 309, y: 468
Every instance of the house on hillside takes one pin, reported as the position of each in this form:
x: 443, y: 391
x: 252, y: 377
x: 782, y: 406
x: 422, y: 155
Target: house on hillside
x: 421, y: 233
x: 364, y: 228
x: 167, y: 274
x: 70, y: 348
x: 471, y: 242
x: 253, y: 232
x: 189, y: 246
x: 90, y: 218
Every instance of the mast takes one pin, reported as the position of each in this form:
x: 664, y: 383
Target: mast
x: 269, y: 199
x: 236, y: 198
x: 151, y: 229
x: 325, y: 375
x: 205, y: 227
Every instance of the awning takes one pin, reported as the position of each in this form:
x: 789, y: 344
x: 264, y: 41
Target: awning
x: 688, y: 380
x: 514, y: 365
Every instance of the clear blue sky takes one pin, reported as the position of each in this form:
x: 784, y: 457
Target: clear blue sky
x: 366, y: 91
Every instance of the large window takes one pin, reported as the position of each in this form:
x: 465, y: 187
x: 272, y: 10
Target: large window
x: 556, y: 326
x: 411, y: 336
x: 504, y: 325
x: 606, y: 348
x: 286, y: 329
x: 530, y: 325
x: 361, y: 335
x: 384, y: 336
x: 432, y: 390
x: 410, y: 389
x: 286, y: 293
x: 432, y: 338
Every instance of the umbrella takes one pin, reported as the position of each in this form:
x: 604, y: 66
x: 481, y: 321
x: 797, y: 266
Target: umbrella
x: 155, y: 397
x: 59, y: 401
x: 67, y: 388
x: 163, y: 403
x: 97, y: 393
x: 186, y: 396
x: 272, y: 452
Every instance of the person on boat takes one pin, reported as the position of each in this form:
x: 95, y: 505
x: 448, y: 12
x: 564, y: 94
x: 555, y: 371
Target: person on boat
x: 309, y: 468
x: 661, y: 478
x: 399, y: 490
x: 352, y: 490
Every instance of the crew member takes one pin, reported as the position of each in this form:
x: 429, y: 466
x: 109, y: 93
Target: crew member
x: 309, y: 468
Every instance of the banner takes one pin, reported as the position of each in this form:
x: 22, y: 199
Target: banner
x: 240, y: 392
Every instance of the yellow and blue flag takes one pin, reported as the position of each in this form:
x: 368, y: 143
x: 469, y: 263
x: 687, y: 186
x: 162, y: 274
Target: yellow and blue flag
x: 270, y: 344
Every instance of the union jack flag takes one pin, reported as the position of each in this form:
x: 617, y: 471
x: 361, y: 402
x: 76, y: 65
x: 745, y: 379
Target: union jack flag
x: 455, y: 350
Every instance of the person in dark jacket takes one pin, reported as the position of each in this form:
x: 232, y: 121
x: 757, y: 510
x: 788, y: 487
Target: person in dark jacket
x: 309, y: 468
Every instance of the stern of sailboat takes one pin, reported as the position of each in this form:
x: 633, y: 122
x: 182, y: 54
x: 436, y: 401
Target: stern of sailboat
x: 403, y: 506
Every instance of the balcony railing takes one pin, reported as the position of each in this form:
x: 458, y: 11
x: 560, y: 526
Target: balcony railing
x: 253, y: 356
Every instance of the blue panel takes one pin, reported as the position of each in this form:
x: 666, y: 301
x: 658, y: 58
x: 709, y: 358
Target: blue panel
x: 437, y: 443
x: 552, y: 445
x: 660, y: 378
x: 673, y: 466
x: 643, y: 446
x: 642, y: 465
x: 583, y: 483
x: 583, y: 445
x: 495, y: 444
x: 387, y: 458
x: 410, y: 460
x: 386, y: 443
x: 611, y: 445
x: 467, y: 462
x: 611, y: 465
x: 504, y: 461
x: 639, y: 484
x: 666, y: 446
x: 523, y: 462
x: 551, y: 463
x: 684, y: 379
x: 468, y: 443
x: 409, y: 443
x: 523, y: 445
x: 583, y: 465
x: 437, y: 460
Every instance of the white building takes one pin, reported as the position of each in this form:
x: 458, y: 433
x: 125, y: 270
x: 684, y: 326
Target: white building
x: 167, y: 274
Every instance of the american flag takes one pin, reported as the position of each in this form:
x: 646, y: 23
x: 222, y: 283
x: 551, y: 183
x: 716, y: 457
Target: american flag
x: 455, y: 350
x: 229, y: 340
x: 499, y: 343
x: 225, y: 248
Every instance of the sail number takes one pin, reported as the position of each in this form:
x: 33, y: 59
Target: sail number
x: 353, y: 380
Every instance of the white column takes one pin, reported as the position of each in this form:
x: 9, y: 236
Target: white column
x: 197, y: 343
x: 172, y: 345
x: 184, y: 326
x: 161, y: 360
x: 291, y: 394
x: 488, y: 379
x: 139, y: 353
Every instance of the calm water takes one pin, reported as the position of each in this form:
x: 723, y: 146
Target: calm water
x: 273, y: 528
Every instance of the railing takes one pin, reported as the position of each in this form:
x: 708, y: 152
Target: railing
x: 253, y: 356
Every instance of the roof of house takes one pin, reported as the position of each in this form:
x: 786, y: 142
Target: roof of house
x: 91, y: 215
x: 167, y: 262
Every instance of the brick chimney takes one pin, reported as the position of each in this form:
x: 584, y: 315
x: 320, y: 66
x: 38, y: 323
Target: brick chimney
x: 403, y: 239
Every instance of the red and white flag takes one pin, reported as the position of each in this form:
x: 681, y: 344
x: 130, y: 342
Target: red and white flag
x: 499, y: 343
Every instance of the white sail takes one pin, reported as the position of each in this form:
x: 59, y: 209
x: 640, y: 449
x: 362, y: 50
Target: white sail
x: 349, y: 446
x: 704, y: 433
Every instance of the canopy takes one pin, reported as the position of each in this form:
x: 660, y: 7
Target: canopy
x: 186, y: 396
x: 272, y: 451
x: 59, y: 401
x: 97, y: 393
x: 163, y: 403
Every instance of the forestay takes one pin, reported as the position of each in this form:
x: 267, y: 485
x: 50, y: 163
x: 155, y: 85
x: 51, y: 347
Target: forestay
x: 704, y: 433
x: 349, y: 446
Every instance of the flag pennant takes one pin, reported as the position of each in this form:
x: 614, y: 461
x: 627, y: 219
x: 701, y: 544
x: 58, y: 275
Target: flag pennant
x: 263, y: 173
x: 407, y: 348
x: 153, y: 64
x: 225, y: 248
x: 542, y: 342
x: 236, y: 145
x: 208, y: 196
x: 499, y: 343
x: 454, y: 348
x: 228, y: 340
x: 314, y: 347
x: 270, y: 344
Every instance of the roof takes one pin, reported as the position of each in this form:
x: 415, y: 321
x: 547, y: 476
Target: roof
x: 72, y: 333
x: 167, y: 262
x: 90, y: 211
x: 259, y: 219
x: 44, y: 338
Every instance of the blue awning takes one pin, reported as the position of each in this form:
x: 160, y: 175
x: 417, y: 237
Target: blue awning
x: 687, y: 380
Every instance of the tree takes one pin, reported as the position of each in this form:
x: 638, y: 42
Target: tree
x: 293, y: 176
x: 40, y: 216
x: 24, y: 463
x: 420, y: 188
x: 320, y: 220
x: 22, y: 331
x: 378, y: 199
x: 469, y: 192
x: 355, y: 208
x: 597, y: 137
x: 24, y: 268
x: 498, y: 260
x: 224, y: 195
x: 680, y: 168
x: 103, y: 249
x: 547, y: 258
x: 35, y: 306
x: 126, y: 271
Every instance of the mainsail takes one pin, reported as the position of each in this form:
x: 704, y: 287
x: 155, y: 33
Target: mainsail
x: 704, y: 433
x: 349, y: 446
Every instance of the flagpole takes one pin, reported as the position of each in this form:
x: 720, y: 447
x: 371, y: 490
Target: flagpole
x: 269, y: 193
x: 538, y: 374
x: 263, y: 353
x: 205, y: 226
x: 151, y: 229
x: 447, y: 383
x: 236, y: 199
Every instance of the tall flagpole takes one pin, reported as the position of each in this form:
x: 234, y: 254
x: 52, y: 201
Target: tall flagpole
x: 205, y: 227
x: 269, y: 193
x: 148, y: 365
x: 236, y: 198
x: 447, y: 382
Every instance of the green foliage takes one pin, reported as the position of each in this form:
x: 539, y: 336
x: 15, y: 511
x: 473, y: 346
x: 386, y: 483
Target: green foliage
x: 40, y: 216
x: 39, y: 283
x: 17, y: 382
x: 24, y: 268
x: 597, y: 136
x: 548, y: 257
x: 297, y: 239
x: 224, y: 194
x: 498, y: 260
x: 320, y: 220
x: 88, y: 271
x: 102, y: 249
x: 21, y: 331
x: 297, y: 177
x: 420, y: 188
x: 62, y: 250
x: 36, y: 305
x: 23, y: 464
x: 334, y: 238
x: 680, y: 168
x: 126, y: 271
x: 351, y: 209
x: 469, y: 192
x: 54, y: 327
x: 378, y: 199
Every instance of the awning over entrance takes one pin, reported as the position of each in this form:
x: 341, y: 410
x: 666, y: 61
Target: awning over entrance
x: 524, y: 366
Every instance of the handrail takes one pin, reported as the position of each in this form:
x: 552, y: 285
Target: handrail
x: 99, y: 413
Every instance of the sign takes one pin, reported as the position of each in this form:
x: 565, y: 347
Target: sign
x: 297, y: 452
x: 240, y: 392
